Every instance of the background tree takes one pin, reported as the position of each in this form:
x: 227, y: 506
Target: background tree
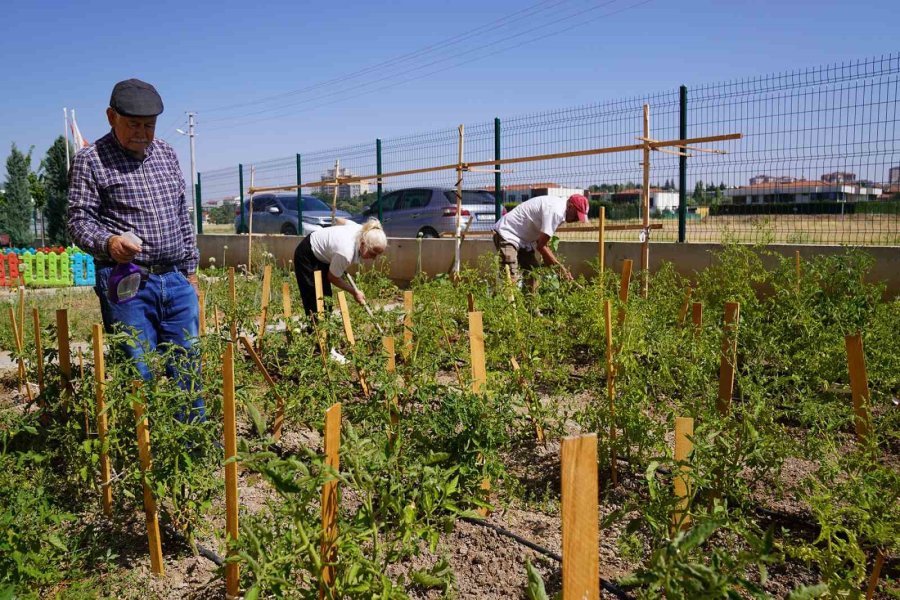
x: 56, y: 187
x: 39, y: 200
x: 224, y: 214
x: 16, y: 216
x: 699, y: 196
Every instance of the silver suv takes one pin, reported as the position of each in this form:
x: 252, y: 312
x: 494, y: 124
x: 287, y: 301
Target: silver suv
x: 277, y: 213
x: 431, y: 211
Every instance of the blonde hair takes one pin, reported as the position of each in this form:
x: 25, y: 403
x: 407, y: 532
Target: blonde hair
x: 372, y: 237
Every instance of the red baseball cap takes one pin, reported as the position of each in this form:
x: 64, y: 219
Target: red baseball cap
x: 579, y: 204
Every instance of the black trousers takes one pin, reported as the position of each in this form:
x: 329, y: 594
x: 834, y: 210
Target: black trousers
x: 305, y: 264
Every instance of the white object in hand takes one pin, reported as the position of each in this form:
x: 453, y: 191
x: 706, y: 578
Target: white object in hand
x: 130, y: 237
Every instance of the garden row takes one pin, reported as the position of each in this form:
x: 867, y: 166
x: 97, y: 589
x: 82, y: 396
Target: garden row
x: 691, y: 410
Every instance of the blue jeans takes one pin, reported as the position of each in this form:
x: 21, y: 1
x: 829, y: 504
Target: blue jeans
x: 165, y: 312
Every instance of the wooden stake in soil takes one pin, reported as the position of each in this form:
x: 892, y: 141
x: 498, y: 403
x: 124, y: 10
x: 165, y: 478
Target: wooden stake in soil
x: 279, y: 401
x: 684, y: 428
x: 538, y: 430
x: 232, y: 294
x: 143, y: 437
x: 232, y: 572
x: 201, y: 300
x: 388, y: 343
x: 348, y: 331
x: 320, y: 293
x: 17, y: 340
x: 859, y: 384
x: 611, y: 392
x: 470, y: 300
x: 65, y: 357
x: 729, y: 356
x: 286, y: 300
x: 476, y: 348
x: 682, y: 314
x: 22, y: 312
x: 876, y: 573
x: 580, y: 519
x: 697, y: 316
x: 407, y: 323
x: 266, y: 297
x: 38, y: 348
x: 623, y: 290
x: 100, y: 380
x: 330, y: 498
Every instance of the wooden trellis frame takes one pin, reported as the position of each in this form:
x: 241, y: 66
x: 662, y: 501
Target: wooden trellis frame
x: 647, y: 146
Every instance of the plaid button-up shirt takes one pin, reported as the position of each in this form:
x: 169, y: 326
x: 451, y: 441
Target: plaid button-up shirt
x: 111, y: 192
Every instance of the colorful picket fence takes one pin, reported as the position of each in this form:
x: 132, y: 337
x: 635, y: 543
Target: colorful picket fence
x: 46, y: 267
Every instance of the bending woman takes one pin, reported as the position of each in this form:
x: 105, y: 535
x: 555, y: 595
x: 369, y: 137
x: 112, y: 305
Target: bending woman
x: 332, y: 250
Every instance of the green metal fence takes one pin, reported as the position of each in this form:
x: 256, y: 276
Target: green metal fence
x: 818, y: 163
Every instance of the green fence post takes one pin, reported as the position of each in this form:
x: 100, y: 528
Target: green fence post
x: 498, y: 192
x: 241, y: 185
x: 199, y: 207
x: 682, y: 167
x: 299, y: 198
x: 380, y: 189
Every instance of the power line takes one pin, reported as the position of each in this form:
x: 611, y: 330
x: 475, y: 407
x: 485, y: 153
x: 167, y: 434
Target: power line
x: 356, y: 92
x: 382, y: 78
x: 451, y: 41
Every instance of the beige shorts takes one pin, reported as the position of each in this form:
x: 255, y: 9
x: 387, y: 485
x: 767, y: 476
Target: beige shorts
x: 514, y: 258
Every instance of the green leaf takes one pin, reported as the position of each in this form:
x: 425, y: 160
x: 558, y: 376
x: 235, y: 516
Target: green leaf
x: 252, y: 593
x: 427, y: 580
x: 55, y: 541
x: 536, y: 590
x: 808, y: 591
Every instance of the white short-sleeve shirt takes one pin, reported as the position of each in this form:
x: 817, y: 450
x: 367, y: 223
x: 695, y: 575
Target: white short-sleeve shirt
x: 524, y: 224
x: 338, y: 246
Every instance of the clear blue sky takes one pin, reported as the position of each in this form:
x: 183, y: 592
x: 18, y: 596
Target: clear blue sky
x: 204, y: 55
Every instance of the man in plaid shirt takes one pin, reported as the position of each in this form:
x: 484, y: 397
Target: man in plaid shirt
x: 130, y: 182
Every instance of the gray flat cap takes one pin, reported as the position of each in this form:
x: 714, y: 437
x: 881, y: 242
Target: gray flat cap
x: 135, y: 98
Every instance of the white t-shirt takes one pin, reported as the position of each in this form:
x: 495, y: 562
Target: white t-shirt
x: 523, y: 225
x: 337, y: 246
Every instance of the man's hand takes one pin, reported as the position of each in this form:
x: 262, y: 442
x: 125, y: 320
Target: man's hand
x: 565, y: 273
x: 121, y: 250
x: 359, y: 296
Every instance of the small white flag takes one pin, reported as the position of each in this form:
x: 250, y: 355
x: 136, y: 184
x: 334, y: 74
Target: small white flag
x: 80, y: 142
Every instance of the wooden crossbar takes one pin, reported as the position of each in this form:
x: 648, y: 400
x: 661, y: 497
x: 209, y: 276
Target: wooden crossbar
x: 680, y: 143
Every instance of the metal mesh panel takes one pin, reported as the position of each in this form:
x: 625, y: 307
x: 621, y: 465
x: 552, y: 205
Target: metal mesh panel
x: 814, y: 165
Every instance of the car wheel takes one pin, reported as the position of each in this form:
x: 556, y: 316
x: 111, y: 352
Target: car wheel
x: 288, y: 229
x: 428, y: 232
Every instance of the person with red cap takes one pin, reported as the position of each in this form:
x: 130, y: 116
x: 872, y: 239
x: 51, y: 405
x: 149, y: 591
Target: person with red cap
x: 527, y: 229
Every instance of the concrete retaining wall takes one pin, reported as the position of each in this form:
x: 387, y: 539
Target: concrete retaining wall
x: 437, y: 255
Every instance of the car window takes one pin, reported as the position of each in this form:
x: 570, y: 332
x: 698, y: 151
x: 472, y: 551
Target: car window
x: 313, y: 203
x: 262, y: 204
x: 388, y: 202
x: 415, y: 199
x: 470, y: 197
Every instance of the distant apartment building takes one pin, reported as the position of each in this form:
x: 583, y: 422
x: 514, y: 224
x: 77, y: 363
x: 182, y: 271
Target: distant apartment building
x: 803, y: 191
x: 525, y: 191
x: 894, y: 175
x: 760, y: 179
x: 345, y: 190
x: 839, y: 177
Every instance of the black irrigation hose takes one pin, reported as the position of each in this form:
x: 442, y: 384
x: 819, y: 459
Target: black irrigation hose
x: 204, y: 552
x: 606, y: 585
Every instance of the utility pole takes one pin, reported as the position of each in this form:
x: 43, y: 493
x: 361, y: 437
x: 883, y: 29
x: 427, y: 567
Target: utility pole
x: 193, y: 186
